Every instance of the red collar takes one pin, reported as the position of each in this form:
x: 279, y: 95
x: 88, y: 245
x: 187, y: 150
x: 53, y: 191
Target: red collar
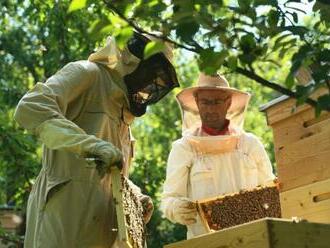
x: 214, y: 132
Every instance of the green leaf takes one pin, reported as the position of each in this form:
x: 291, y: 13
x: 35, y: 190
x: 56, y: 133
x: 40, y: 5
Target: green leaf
x: 152, y: 48
x: 123, y: 36
x: 210, y: 61
x: 289, y: 81
x: 286, y: 44
x: 232, y: 62
x: 321, y: 73
x: 273, y: 17
x: 325, y: 55
x: 303, y: 92
x: 244, y: 4
x: 298, y: 30
x: 324, y: 102
x: 187, y: 29
x: 279, y: 39
x: 252, y: 13
x: 326, y: 2
x: 95, y: 28
x: 247, y: 43
x: 295, y: 17
x: 247, y: 58
x: 265, y: 2
x: 76, y: 4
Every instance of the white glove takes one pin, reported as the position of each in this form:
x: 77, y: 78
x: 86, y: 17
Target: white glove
x: 148, y: 207
x: 184, y: 211
x: 109, y: 154
x: 106, y: 155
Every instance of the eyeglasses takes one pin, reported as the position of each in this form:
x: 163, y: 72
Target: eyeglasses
x: 211, y: 101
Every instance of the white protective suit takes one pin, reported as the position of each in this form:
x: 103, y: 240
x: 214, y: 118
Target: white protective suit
x: 202, y: 166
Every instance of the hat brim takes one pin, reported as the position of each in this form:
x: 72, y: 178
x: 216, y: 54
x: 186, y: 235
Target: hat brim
x: 187, y: 100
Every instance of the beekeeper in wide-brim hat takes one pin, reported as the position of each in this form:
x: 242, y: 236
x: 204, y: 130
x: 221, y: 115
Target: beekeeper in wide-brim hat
x: 189, y: 109
x: 213, y: 161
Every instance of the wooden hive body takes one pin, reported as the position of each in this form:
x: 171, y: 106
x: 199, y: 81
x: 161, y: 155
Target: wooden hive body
x: 302, y: 153
x: 265, y: 233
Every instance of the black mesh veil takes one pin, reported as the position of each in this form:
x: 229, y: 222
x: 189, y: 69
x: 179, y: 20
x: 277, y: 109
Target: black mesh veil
x: 153, y: 78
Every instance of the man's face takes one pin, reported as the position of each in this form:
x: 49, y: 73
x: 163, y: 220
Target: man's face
x: 213, y: 107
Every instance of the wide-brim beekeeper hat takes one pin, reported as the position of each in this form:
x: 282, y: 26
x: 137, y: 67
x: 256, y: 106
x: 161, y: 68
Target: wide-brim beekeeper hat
x: 122, y: 60
x: 188, y: 105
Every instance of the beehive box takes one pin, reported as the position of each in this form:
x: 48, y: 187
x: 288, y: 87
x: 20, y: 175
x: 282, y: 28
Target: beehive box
x: 265, y: 233
x: 301, y: 142
x: 234, y: 209
x: 10, y: 223
x: 129, y: 212
x: 311, y: 202
x: 10, y: 220
x: 302, y: 153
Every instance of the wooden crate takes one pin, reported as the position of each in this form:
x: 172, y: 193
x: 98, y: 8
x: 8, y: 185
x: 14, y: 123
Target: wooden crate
x: 265, y: 233
x: 301, y: 141
x: 311, y: 202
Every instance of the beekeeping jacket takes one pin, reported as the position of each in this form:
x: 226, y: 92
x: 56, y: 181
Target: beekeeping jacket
x: 201, y: 166
x: 83, y: 104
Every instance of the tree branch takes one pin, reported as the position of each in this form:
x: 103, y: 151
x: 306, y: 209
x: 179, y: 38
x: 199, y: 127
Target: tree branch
x: 142, y: 31
x: 242, y: 71
x: 271, y: 85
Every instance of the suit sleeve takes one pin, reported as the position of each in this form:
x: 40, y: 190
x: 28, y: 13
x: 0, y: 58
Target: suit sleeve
x: 42, y: 110
x: 177, y: 175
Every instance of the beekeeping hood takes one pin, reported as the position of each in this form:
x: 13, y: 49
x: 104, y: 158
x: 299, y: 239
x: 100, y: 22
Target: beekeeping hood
x: 147, y: 80
x: 121, y: 61
x: 189, y: 110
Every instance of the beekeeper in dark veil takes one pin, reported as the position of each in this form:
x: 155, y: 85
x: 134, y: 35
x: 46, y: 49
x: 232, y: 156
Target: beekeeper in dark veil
x: 85, y: 110
x: 214, y: 156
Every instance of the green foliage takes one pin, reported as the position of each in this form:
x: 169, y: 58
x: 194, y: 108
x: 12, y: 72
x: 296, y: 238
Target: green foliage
x: 10, y: 240
x: 76, y: 4
x: 241, y: 34
x: 152, y: 48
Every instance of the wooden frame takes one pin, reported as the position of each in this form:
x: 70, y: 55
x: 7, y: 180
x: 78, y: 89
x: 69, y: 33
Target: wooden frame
x: 123, y: 238
x: 264, y: 233
x: 202, y: 215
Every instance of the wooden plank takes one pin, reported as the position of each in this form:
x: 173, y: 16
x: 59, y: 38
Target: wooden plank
x: 314, y: 121
x: 265, y: 233
x: 298, y: 235
x: 304, y: 148
x: 287, y: 108
x: 117, y: 190
x: 283, y: 111
x: 311, y: 202
x: 303, y: 172
x: 295, y: 127
x: 250, y: 235
x: 304, y: 75
x: 299, y: 127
